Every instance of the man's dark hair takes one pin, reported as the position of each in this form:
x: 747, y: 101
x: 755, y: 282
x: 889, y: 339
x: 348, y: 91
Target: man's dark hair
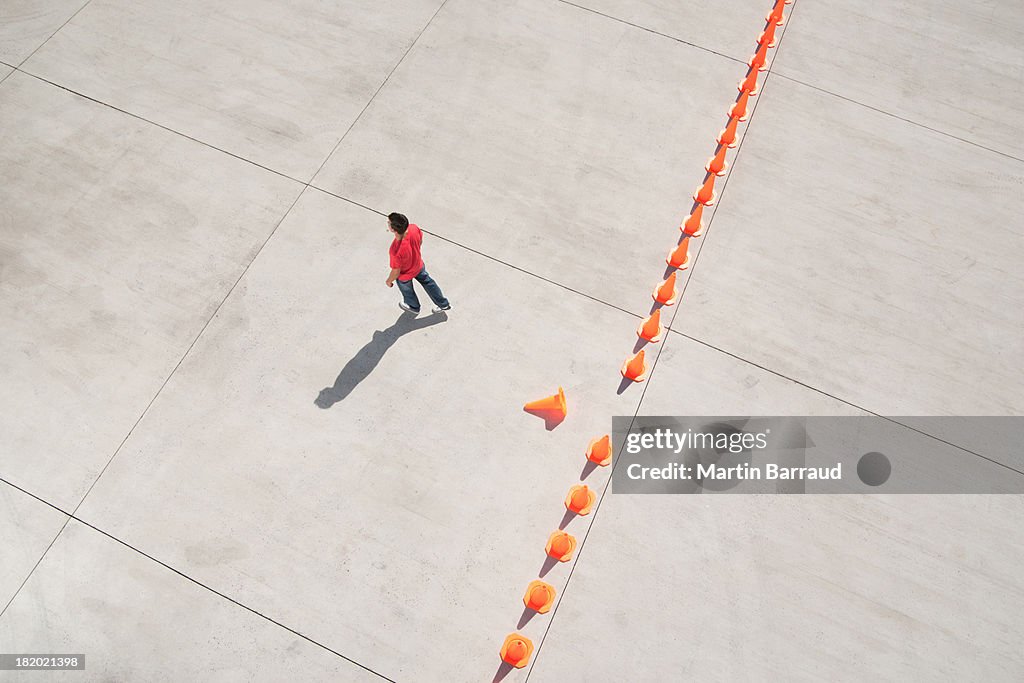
x: 399, y: 222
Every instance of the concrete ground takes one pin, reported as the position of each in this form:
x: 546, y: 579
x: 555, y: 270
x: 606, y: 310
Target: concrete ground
x: 226, y: 456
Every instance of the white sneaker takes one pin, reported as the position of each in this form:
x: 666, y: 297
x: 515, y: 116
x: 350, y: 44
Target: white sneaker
x: 401, y: 304
x: 441, y: 309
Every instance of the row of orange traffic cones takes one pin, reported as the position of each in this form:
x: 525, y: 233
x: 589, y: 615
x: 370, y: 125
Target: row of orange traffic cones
x: 561, y: 546
x: 635, y: 367
x: 540, y: 595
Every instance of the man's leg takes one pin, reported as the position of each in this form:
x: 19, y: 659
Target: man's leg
x: 433, y: 291
x: 409, y: 294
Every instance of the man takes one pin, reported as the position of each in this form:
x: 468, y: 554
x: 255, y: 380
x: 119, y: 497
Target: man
x: 407, y: 265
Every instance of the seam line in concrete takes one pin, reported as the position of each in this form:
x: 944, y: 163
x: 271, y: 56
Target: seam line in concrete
x: 183, y: 575
x: 190, y: 347
x: 152, y: 401
x: 654, y: 365
x: 898, y: 117
x: 377, y: 91
x: 649, y: 30
x: 40, y: 46
x: 849, y: 403
x: 160, y: 126
x: 47, y: 550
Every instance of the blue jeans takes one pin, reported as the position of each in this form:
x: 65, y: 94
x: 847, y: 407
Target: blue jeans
x: 431, y: 288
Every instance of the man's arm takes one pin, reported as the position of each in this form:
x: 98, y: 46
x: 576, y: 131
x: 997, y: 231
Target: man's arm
x: 392, y: 277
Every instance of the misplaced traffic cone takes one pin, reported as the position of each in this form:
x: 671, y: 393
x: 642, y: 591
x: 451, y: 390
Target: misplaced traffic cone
x: 767, y: 36
x: 600, y: 451
x: 651, y: 329
x: 580, y: 500
x: 739, y: 110
x: 665, y: 293
x: 717, y: 164
x: 516, y: 650
x: 749, y: 84
x: 680, y: 256
x: 693, y: 225
x: 727, y: 136
x: 539, y: 596
x: 635, y: 368
x: 760, y: 58
x: 554, y: 404
x: 705, y: 194
x: 560, y: 546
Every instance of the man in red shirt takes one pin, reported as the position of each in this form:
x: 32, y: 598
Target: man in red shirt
x: 407, y: 265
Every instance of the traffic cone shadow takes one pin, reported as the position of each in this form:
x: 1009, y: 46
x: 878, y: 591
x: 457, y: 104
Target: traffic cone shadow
x: 566, y: 518
x: 525, y: 617
x: 549, y: 562
x: 503, y: 670
x: 588, y: 467
x: 551, y: 420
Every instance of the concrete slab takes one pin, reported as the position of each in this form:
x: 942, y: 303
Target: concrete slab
x: 27, y: 527
x: 26, y: 24
x: 843, y: 587
x: 371, y: 479
x: 118, y: 242
x: 575, y: 144
x: 137, y: 621
x: 793, y: 588
x: 276, y: 84
x: 867, y: 257
x: 5, y: 71
x: 947, y: 65
x: 728, y: 28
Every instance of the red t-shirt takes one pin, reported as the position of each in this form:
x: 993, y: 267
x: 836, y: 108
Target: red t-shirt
x: 405, y: 253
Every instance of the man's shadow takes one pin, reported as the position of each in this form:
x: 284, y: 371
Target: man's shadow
x: 366, y: 359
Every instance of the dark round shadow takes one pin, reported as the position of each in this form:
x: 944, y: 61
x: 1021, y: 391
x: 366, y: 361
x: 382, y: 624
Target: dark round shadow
x: 874, y: 468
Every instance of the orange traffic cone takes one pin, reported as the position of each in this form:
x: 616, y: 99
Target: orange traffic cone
x: 651, y: 329
x: 635, y: 368
x: 767, y: 36
x: 693, y: 225
x: 717, y: 164
x: 680, y: 256
x: 554, y: 405
x: 600, y: 450
x: 775, y: 16
x: 760, y: 58
x: 560, y: 546
x: 705, y: 194
x: 739, y: 110
x: 727, y: 136
x: 749, y: 84
x: 580, y: 500
x: 516, y: 650
x: 665, y: 293
x: 539, y: 596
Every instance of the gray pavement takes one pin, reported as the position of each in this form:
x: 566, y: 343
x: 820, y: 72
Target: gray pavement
x: 226, y: 455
